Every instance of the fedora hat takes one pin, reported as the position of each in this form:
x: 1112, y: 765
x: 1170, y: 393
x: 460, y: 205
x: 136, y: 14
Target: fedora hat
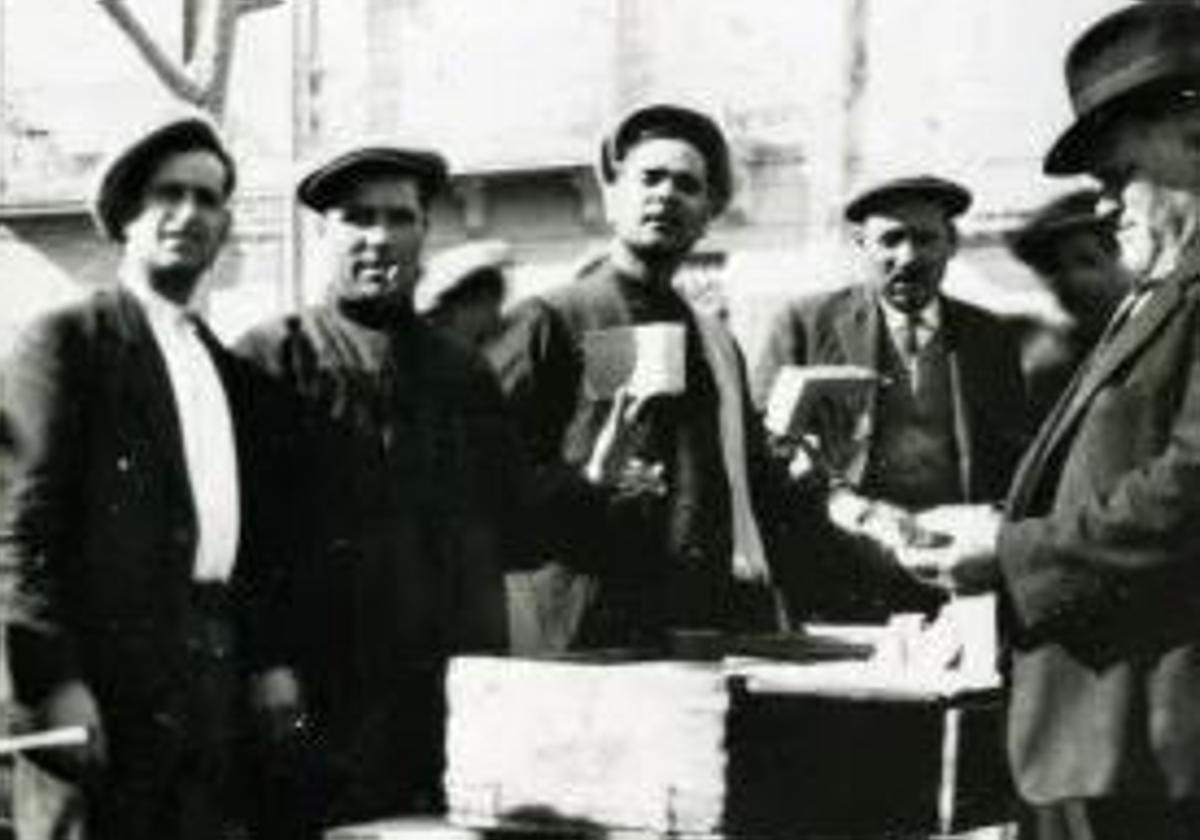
x: 674, y: 121
x: 878, y: 193
x: 1126, y: 58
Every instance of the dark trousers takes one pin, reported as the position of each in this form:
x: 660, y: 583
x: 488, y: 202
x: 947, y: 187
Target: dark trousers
x: 384, y: 757
x: 1113, y: 819
x: 170, y: 754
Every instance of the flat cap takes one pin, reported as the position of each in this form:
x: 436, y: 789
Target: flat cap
x: 953, y: 198
x: 118, y: 192
x: 679, y: 122
x: 325, y: 182
x: 1061, y: 215
x: 449, y: 270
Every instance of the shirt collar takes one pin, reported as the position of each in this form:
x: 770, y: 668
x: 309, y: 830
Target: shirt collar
x: 929, y: 317
x: 159, y: 309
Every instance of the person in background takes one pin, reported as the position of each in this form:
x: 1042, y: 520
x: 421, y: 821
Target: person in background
x: 663, y: 511
x: 413, y: 508
x: 937, y: 440
x: 140, y: 521
x: 462, y: 291
x: 1073, y: 251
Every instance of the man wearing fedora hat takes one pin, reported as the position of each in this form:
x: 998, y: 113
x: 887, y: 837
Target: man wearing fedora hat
x: 1099, y: 546
x: 137, y: 513
x: 945, y: 424
x: 660, y: 510
x: 411, y: 503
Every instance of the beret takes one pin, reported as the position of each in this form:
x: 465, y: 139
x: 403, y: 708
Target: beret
x: 118, y: 192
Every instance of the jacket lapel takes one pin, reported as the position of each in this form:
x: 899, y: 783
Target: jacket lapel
x: 1099, y: 368
x: 857, y: 328
x: 148, y: 379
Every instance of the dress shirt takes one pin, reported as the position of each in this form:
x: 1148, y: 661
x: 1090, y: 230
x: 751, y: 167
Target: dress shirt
x: 206, y: 426
x: 927, y: 322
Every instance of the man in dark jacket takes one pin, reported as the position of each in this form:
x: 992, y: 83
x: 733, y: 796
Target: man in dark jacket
x: 137, y: 512
x: 660, y: 511
x: 1099, y: 549
x: 413, y: 503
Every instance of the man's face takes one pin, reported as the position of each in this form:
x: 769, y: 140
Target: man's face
x: 374, y: 237
x: 1150, y: 166
x: 659, y: 205
x: 906, y: 246
x: 182, y: 222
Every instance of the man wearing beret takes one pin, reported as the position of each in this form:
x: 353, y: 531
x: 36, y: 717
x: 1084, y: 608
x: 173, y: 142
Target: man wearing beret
x: 1099, y: 547
x: 137, y: 512
x: 944, y: 426
x: 1073, y: 251
x: 659, y: 512
x: 412, y: 511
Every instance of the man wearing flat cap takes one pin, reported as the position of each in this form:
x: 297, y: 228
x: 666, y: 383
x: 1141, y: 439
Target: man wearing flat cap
x: 137, y: 512
x: 660, y: 508
x: 411, y: 515
x: 944, y: 426
x: 1099, y: 547
x: 462, y: 291
x: 1073, y: 252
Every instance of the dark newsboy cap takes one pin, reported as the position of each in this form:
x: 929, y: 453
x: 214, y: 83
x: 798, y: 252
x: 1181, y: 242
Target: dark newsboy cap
x: 674, y: 121
x: 1065, y: 214
x: 1127, y: 59
x: 118, y: 194
x: 952, y: 197
x: 325, y: 183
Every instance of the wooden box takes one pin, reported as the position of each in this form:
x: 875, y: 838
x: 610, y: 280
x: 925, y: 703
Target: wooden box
x: 758, y: 750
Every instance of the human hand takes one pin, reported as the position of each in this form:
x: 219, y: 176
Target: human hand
x: 277, y: 703
x: 72, y: 704
x: 612, y: 451
x: 962, y: 567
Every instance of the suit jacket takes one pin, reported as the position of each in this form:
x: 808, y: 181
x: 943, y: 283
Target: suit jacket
x: 1101, y: 558
x: 98, y: 526
x: 652, y: 568
x: 991, y: 426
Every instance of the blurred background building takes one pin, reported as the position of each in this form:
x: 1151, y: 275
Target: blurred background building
x: 816, y: 95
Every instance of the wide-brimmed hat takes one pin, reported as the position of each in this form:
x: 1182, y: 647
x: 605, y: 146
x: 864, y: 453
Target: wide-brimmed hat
x: 1124, y: 60
x: 880, y: 193
x: 664, y: 120
x: 122, y: 180
x: 450, y: 270
x: 325, y: 182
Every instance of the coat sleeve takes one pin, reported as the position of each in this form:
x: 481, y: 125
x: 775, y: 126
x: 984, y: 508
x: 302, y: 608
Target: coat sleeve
x: 539, y: 370
x: 1122, y: 561
x: 44, y: 407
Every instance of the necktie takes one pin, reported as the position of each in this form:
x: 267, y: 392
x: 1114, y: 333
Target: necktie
x: 912, y: 335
